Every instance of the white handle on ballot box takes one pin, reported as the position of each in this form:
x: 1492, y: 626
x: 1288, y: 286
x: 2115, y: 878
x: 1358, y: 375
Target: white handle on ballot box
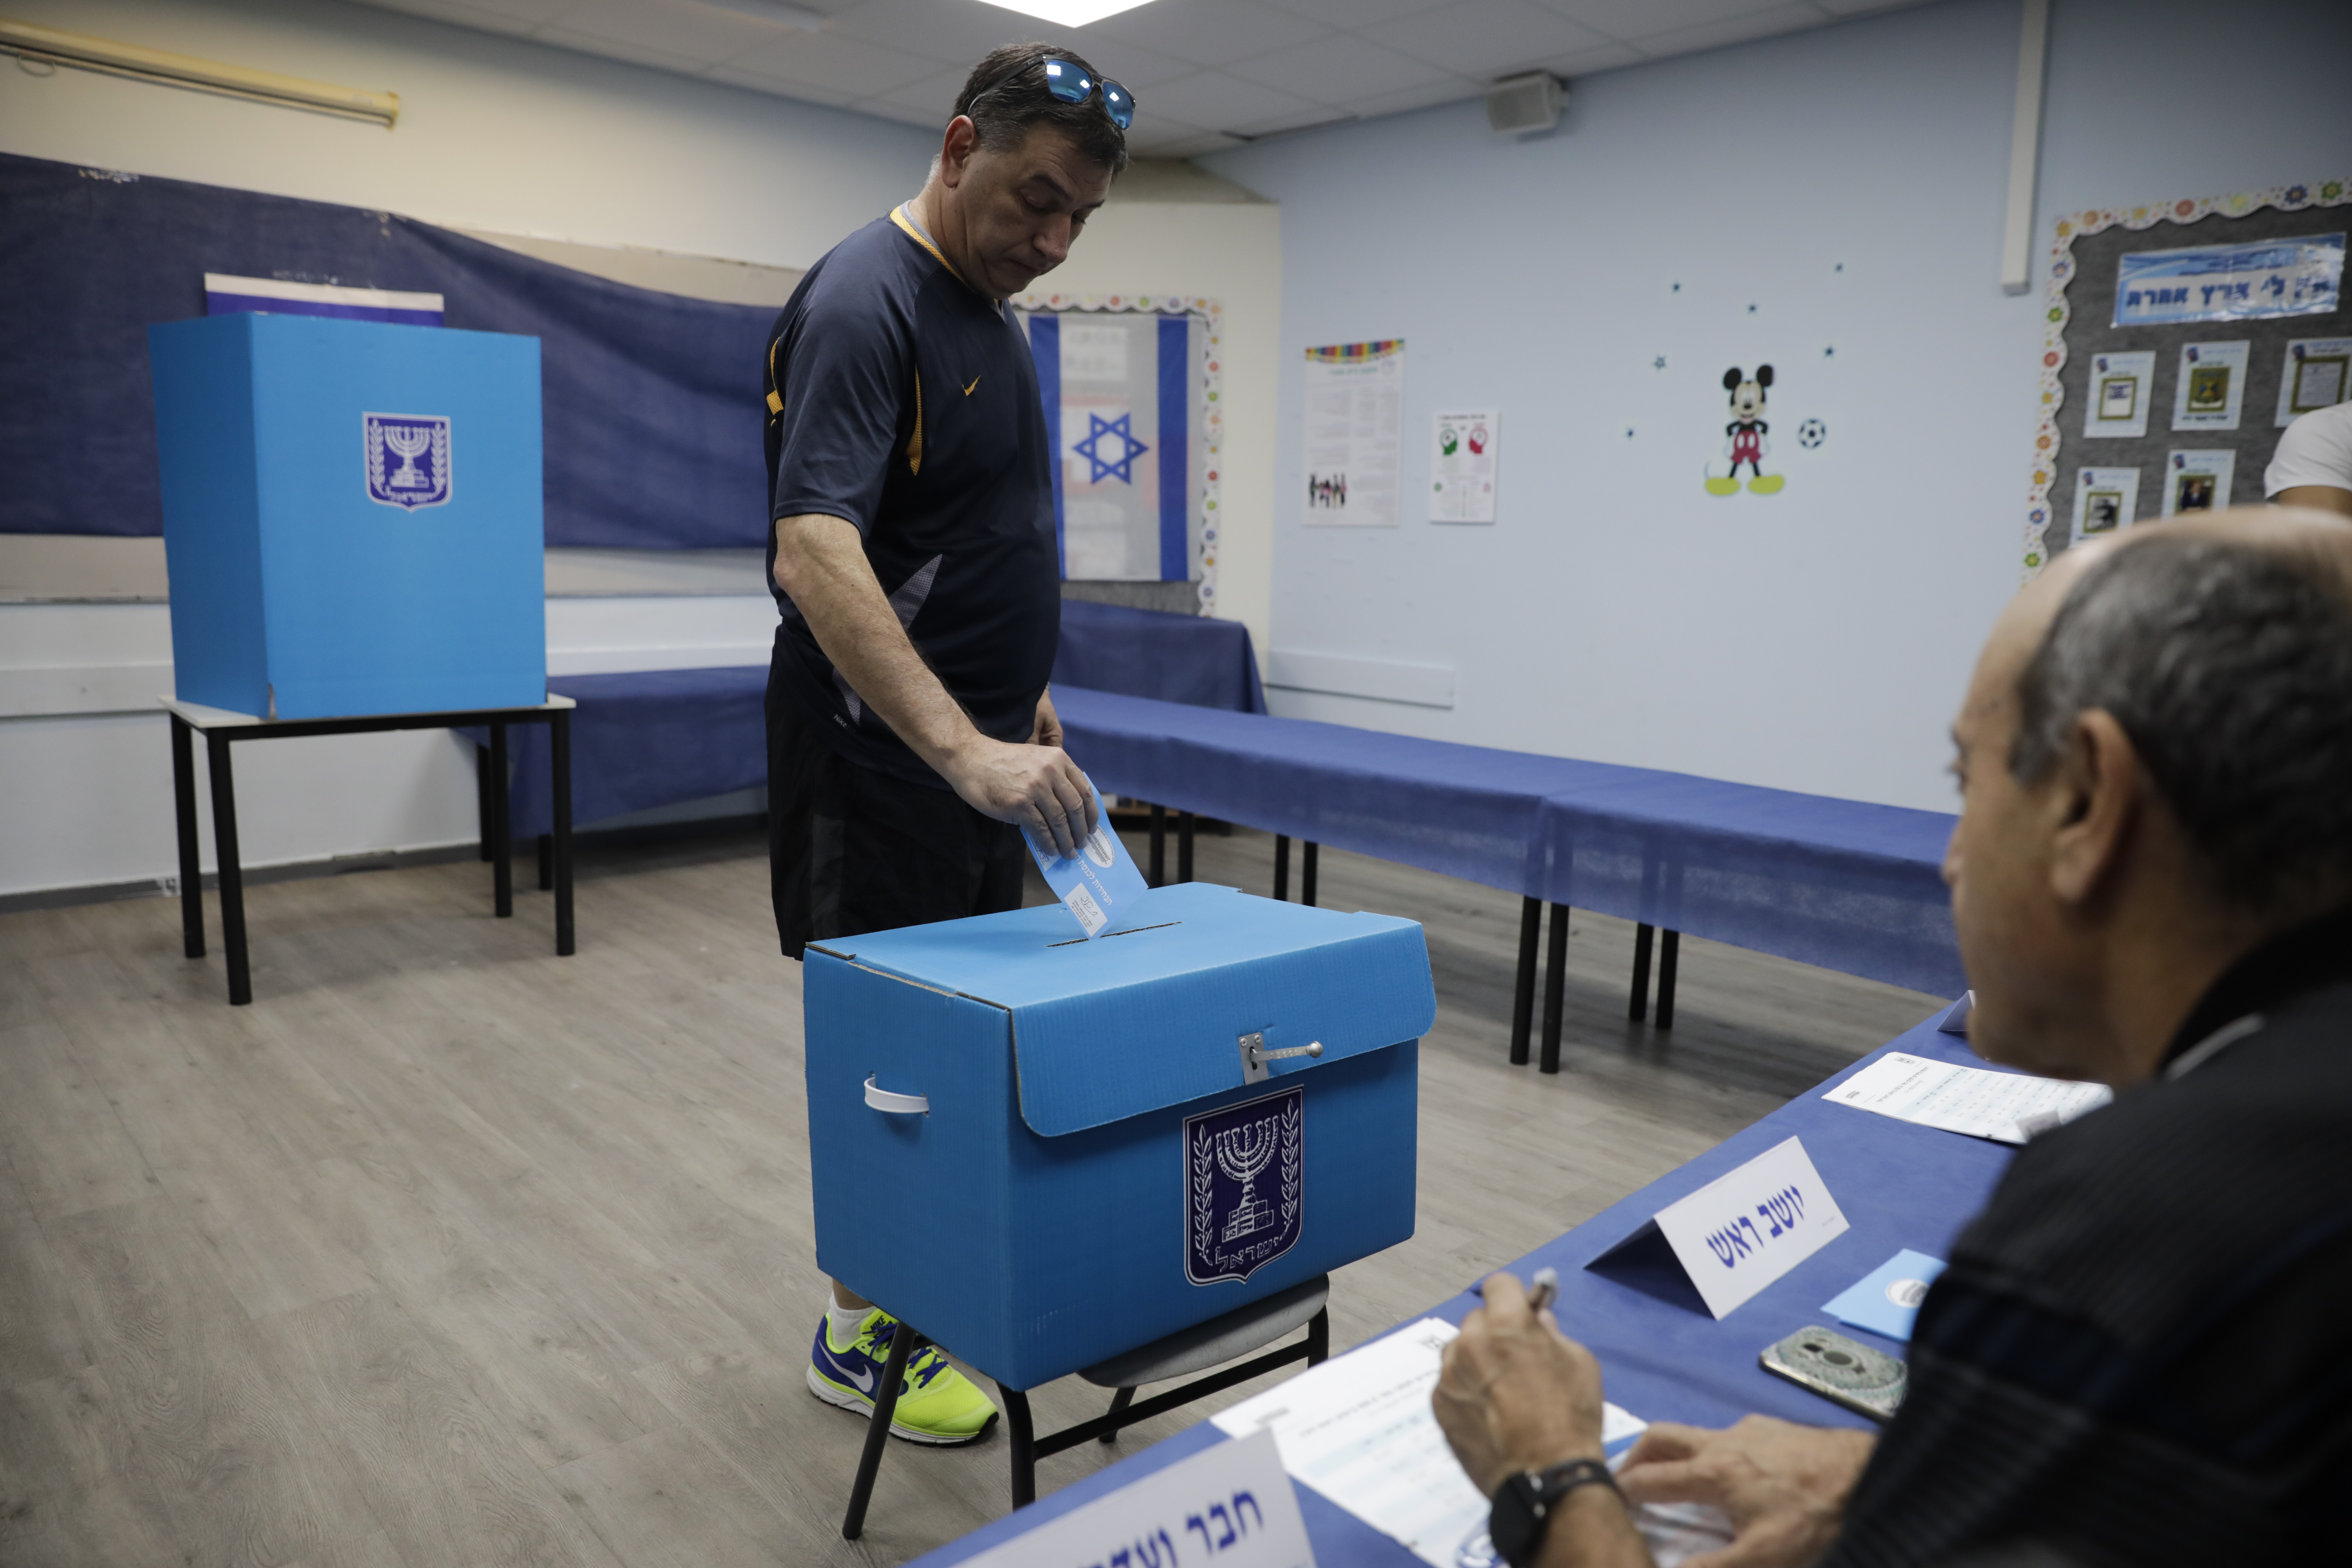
x: 896, y: 1104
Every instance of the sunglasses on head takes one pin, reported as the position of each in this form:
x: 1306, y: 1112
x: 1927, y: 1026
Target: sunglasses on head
x: 1070, y: 84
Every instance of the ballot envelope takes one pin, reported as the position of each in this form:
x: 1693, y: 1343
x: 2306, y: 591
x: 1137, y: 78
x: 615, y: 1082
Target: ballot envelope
x: 1041, y: 1150
x: 351, y: 515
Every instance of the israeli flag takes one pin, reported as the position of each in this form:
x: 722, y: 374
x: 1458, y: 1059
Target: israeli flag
x: 1123, y: 397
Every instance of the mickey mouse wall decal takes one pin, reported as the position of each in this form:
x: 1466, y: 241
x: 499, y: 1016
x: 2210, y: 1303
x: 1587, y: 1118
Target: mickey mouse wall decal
x: 1743, y: 438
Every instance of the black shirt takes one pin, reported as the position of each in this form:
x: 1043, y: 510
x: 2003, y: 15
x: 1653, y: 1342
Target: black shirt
x: 907, y: 404
x: 2142, y: 1351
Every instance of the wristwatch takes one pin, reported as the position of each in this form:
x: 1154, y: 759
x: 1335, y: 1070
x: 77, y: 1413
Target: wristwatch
x: 1524, y: 1505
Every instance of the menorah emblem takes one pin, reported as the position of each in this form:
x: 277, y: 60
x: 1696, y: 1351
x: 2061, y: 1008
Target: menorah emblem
x: 1242, y: 1153
x: 407, y: 460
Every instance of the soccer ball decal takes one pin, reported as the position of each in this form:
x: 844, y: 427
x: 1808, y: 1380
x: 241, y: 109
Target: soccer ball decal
x: 1811, y: 433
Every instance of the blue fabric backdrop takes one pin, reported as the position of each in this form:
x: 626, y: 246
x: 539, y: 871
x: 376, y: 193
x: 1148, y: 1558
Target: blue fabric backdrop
x: 652, y: 401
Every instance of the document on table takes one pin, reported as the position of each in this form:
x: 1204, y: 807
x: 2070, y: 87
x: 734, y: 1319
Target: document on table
x: 2007, y: 1107
x: 1358, y: 1430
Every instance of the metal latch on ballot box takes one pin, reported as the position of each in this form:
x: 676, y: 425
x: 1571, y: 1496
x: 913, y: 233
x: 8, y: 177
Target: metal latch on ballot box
x: 1254, y: 1056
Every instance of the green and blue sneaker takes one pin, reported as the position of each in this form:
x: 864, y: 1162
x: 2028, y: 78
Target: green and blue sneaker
x: 937, y: 1403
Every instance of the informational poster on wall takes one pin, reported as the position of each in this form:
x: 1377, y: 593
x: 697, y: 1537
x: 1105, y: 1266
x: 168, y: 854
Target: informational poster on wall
x: 2198, y: 481
x: 2211, y: 387
x: 2117, y: 405
x: 1354, y: 432
x: 1461, y: 466
x: 2105, y: 501
x: 2318, y: 375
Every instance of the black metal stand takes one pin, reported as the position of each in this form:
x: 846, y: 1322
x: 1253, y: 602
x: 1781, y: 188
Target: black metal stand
x: 1307, y: 875
x: 1669, y: 951
x: 496, y: 849
x: 1523, y: 991
x: 1125, y: 1411
x: 1158, y: 876
x: 1555, y: 989
x: 1640, y: 1007
x: 1183, y: 846
x: 903, y: 1340
x: 1281, y: 867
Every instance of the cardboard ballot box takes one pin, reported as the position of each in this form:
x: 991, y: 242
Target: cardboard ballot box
x: 351, y: 515
x: 1042, y: 1150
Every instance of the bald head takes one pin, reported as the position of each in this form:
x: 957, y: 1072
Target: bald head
x: 2156, y: 751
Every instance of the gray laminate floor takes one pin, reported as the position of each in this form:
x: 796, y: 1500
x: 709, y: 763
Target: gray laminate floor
x: 448, y: 1252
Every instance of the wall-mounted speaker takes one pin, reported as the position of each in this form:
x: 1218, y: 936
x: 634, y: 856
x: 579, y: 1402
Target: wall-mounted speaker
x: 1528, y: 101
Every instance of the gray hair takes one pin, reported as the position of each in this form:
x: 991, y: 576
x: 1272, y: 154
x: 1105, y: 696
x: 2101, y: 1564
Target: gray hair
x: 2229, y: 664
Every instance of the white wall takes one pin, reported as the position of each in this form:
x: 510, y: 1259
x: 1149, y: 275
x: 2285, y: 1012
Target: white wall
x: 1231, y: 251
x: 1847, y: 183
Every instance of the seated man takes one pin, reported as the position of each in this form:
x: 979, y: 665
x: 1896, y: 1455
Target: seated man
x: 2142, y: 1351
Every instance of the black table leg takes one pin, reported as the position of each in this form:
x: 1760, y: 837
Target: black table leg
x: 1307, y: 876
x: 546, y: 845
x: 1669, y: 950
x: 1183, y: 846
x: 1523, y: 991
x: 1640, y: 1005
x: 1119, y: 1400
x: 501, y: 836
x: 1158, y: 876
x: 482, y: 796
x: 1555, y: 989
x: 559, y: 739
x: 1318, y: 1338
x: 191, y: 870
x: 1023, y: 1433
x: 903, y: 1340
x: 232, y: 875
x: 1281, y: 867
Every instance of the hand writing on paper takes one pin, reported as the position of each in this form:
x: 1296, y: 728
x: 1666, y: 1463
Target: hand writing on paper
x: 1516, y: 1394
x: 1783, y: 1485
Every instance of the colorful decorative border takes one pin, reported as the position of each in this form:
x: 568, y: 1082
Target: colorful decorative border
x: 2039, y: 508
x: 1212, y: 394
x: 1350, y: 354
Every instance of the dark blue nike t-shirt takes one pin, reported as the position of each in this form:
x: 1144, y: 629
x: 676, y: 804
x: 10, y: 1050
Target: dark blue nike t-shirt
x: 907, y: 404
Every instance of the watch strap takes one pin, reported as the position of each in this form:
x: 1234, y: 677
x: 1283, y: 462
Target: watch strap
x: 1529, y: 1499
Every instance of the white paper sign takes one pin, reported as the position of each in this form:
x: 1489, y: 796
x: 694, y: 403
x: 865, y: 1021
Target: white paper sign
x: 1739, y: 1233
x: 2317, y: 374
x: 1231, y: 1504
x: 2198, y: 481
x: 2213, y: 385
x: 1354, y: 432
x: 2116, y: 399
x: 1461, y: 466
x: 2105, y: 502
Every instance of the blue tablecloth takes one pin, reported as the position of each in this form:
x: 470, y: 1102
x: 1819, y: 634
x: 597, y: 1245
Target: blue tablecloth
x: 1192, y: 660
x: 1664, y: 1360
x: 1845, y: 884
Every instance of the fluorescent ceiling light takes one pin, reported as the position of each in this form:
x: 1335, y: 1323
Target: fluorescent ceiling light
x: 40, y: 45
x: 771, y: 11
x: 1067, y: 12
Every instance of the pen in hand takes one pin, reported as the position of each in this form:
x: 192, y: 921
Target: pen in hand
x: 1543, y: 1288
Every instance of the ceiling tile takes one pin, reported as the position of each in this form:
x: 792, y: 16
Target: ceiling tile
x: 1217, y: 101
x: 759, y: 82
x: 1584, y: 62
x: 884, y: 109
x: 1732, y: 30
x: 678, y: 29
x: 1307, y: 119
x: 1133, y: 65
x: 1857, y: 8
x: 1353, y: 15
x: 1486, y: 38
x: 1193, y: 146
x: 952, y: 32
x: 474, y: 15
x: 1339, y: 71
x: 1209, y: 32
x: 1451, y: 89
x: 613, y: 49
x: 533, y: 12
x: 931, y: 96
x: 838, y: 64
x: 1629, y: 19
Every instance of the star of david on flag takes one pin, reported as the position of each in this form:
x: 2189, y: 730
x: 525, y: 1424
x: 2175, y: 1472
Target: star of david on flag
x: 1122, y: 467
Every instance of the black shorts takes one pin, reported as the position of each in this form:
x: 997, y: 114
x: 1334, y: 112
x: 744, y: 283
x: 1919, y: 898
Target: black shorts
x: 851, y: 850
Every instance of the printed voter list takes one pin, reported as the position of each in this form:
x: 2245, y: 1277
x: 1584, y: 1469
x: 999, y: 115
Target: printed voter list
x: 1099, y: 883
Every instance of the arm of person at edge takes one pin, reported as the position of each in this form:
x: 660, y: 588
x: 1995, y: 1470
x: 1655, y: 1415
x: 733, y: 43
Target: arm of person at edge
x: 2321, y: 498
x: 821, y: 564
x: 1516, y: 1394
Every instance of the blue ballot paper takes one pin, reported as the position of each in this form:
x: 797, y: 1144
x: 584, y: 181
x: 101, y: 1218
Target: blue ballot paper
x: 1887, y: 1300
x: 1100, y: 885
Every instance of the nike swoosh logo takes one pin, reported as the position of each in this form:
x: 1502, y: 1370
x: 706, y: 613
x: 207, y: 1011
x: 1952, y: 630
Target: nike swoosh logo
x: 864, y: 1380
x: 975, y: 382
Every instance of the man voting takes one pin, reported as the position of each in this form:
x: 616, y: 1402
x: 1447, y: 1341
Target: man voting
x: 910, y: 737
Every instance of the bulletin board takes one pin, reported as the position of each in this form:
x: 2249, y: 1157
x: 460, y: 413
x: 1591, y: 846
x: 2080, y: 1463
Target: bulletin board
x: 1132, y: 388
x: 2164, y: 409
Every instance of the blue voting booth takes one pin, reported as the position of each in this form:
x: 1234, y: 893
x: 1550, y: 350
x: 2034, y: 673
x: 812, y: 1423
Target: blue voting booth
x: 1041, y: 1150
x: 351, y: 515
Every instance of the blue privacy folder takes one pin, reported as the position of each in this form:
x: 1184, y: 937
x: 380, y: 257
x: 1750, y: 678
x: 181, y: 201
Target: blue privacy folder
x: 1886, y: 1301
x: 1100, y: 885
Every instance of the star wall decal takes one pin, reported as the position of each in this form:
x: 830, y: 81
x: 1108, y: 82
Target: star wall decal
x: 1122, y: 466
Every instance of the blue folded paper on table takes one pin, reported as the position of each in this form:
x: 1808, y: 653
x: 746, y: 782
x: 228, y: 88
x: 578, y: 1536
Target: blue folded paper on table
x: 1098, y: 885
x: 1886, y: 1301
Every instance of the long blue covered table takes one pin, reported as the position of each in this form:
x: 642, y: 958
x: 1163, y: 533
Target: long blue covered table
x: 1899, y: 1185
x: 1845, y: 884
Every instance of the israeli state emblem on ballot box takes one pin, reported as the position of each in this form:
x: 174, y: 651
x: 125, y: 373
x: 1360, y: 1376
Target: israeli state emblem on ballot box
x: 1042, y: 1150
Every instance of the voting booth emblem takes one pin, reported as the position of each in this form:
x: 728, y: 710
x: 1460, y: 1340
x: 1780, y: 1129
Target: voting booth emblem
x: 407, y: 460
x: 1247, y: 1199
x: 1041, y: 1150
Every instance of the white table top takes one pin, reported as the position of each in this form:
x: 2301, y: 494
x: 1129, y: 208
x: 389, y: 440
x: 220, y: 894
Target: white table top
x: 196, y: 716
